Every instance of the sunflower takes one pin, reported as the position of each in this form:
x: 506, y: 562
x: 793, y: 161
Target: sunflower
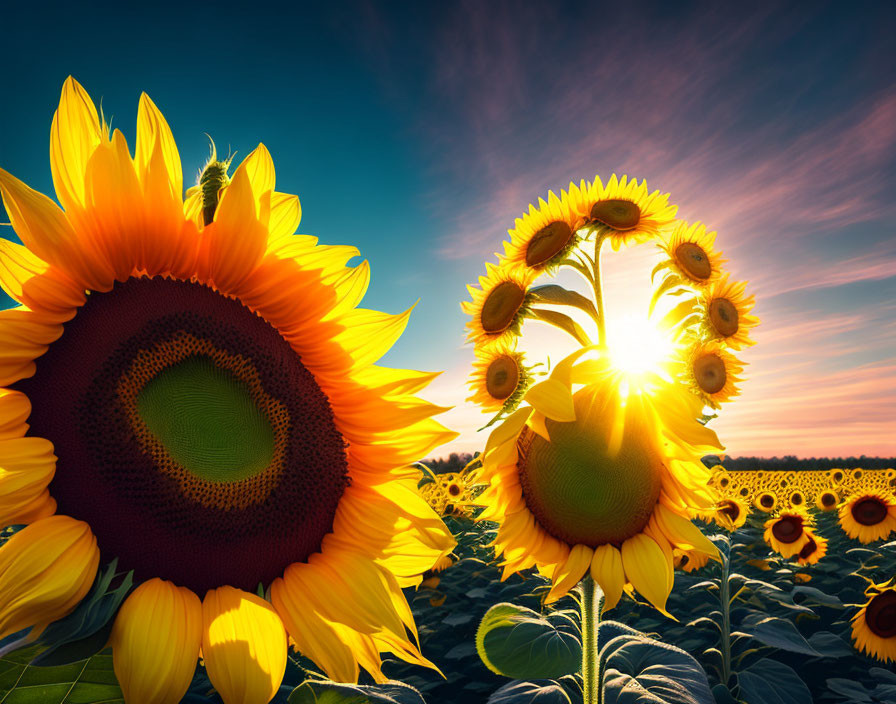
x: 499, y: 377
x: 814, y: 549
x: 499, y: 304
x: 827, y: 500
x: 689, y: 562
x: 544, y: 235
x: 796, y: 498
x: 627, y: 211
x: 874, y: 626
x: 726, y: 313
x: 787, y: 533
x: 730, y: 513
x: 212, y: 398
x: 766, y: 501
x: 712, y: 373
x: 867, y: 516
x: 692, y: 255
x: 602, y: 480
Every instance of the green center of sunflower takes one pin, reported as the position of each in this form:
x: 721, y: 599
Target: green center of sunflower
x: 709, y: 371
x: 788, y: 529
x: 880, y: 616
x: 869, y: 511
x: 693, y: 260
x: 723, y: 316
x: 581, y: 490
x: 501, y: 305
x: 618, y: 214
x: 207, y: 421
x: 547, y: 243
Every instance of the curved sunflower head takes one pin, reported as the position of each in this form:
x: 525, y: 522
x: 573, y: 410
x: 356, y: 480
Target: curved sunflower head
x: 499, y: 378
x: 874, y: 626
x: 498, y: 306
x: 867, y: 516
x: 627, y: 211
x: 787, y: 533
x: 731, y: 513
x: 598, y: 479
x: 199, y: 396
x: 814, y: 549
x: 546, y: 234
x: 726, y: 313
x: 712, y: 373
x: 693, y: 258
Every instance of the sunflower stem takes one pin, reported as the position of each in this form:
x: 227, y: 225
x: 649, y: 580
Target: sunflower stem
x: 597, y: 285
x: 725, y: 602
x: 592, y: 606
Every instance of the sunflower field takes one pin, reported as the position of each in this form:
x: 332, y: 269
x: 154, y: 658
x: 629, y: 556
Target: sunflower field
x: 210, y: 488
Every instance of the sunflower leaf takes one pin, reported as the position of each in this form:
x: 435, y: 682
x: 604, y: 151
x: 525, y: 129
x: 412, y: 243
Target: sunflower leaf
x: 564, y: 322
x: 771, y: 682
x: 90, y: 680
x: 521, y: 643
x: 539, y: 692
x: 552, y: 294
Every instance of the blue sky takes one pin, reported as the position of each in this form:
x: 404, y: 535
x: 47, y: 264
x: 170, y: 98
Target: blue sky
x: 420, y: 131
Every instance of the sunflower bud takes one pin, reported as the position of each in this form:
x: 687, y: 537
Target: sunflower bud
x: 211, y: 181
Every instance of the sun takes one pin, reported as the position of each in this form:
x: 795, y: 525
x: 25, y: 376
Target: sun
x: 636, y: 345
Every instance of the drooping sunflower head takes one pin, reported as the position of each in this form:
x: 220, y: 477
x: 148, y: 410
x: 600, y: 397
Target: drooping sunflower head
x: 788, y: 532
x: 713, y: 373
x: 874, y: 626
x: 692, y: 254
x: 498, y: 306
x: 203, y: 395
x: 628, y: 212
x: 726, y: 313
x: 499, y: 378
x: 598, y: 479
x: 814, y: 549
x: 546, y: 234
x: 731, y: 513
x: 867, y: 516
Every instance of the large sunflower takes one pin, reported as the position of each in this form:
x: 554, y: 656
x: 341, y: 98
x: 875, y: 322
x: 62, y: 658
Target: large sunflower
x: 602, y: 479
x: 874, y: 626
x: 867, y: 516
x: 202, y: 403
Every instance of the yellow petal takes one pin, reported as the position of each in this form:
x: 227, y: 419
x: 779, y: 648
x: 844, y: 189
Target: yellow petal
x: 45, y: 570
x: 27, y: 468
x: 286, y: 214
x: 74, y: 136
x: 259, y: 167
x: 244, y: 646
x: 152, y: 128
x: 44, y: 229
x: 683, y: 534
x: 155, y: 642
x: 553, y: 399
x: 607, y: 571
x: 568, y: 574
x: 648, y: 570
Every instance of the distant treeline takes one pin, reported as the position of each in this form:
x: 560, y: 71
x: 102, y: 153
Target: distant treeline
x: 455, y: 462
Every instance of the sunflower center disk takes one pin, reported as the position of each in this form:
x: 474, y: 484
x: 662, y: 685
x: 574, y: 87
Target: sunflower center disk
x: 693, y: 260
x: 723, y: 315
x: 190, y: 436
x: 880, y: 616
x: 869, y: 512
x: 586, y: 485
x: 788, y: 529
x: 501, y: 306
x: 618, y: 214
x: 548, y: 242
x: 502, y: 377
x: 709, y: 371
x: 730, y: 509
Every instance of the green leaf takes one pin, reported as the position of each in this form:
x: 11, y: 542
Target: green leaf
x: 810, y: 596
x: 772, y: 682
x: 521, y: 643
x: 778, y: 633
x: 830, y: 645
x: 540, y: 692
x: 562, y: 321
x: 326, y: 692
x: 555, y: 295
x: 852, y: 690
x: 87, y: 682
x: 639, y: 670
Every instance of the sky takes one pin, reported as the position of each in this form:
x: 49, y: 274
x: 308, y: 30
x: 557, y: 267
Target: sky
x: 419, y: 132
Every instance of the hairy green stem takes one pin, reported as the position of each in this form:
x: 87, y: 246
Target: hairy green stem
x: 725, y: 599
x: 597, y: 286
x: 592, y: 605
